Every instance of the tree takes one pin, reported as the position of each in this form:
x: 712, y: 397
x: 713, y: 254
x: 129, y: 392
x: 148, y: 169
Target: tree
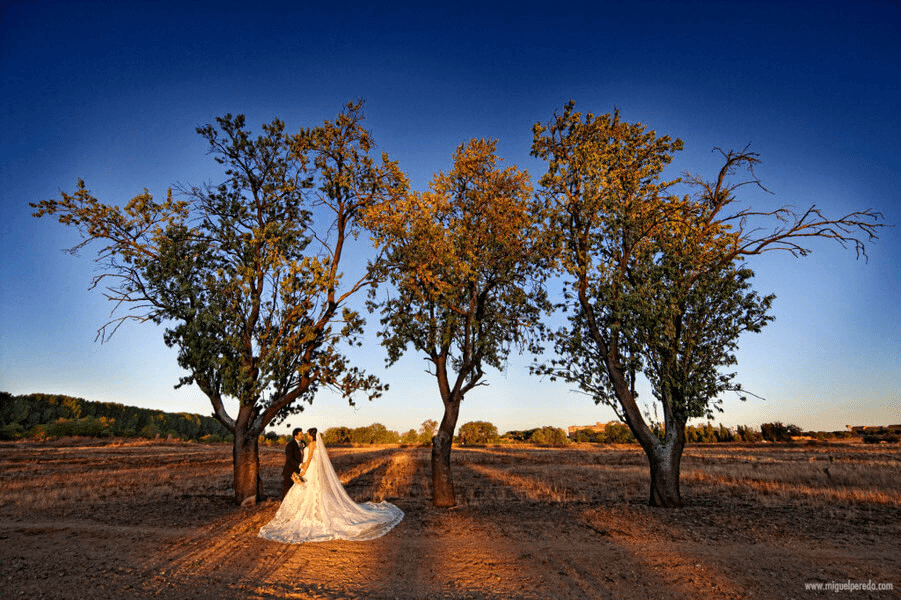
x: 777, y: 432
x: 549, y: 436
x: 427, y: 431
x: 337, y: 435
x: 656, y: 283
x: 747, y: 434
x: 478, y: 432
x: 724, y: 434
x: 520, y: 436
x: 616, y: 433
x: 245, y: 274
x: 410, y: 437
x: 465, y: 260
x: 374, y: 434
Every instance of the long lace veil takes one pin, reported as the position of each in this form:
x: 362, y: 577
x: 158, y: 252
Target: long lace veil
x: 324, y: 464
x: 331, y: 491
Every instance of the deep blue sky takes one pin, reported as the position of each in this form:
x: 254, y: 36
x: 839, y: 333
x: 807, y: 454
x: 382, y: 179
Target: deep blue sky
x: 112, y: 92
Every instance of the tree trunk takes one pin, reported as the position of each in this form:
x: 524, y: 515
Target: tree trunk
x: 246, y: 454
x: 665, y: 460
x: 665, y: 457
x: 442, y: 482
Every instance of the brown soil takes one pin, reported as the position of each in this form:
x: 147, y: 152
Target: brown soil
x: 90, y: 520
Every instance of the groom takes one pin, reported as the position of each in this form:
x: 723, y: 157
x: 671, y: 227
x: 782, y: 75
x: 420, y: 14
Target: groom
x: 293, y: 459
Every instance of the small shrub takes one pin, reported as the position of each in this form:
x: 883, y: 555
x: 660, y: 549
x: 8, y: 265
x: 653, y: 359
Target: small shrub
x: 744, y: 433
x: 616, y: 433
x: 427, y: 431
x: 410, y: 437
x: 586, y: 435
x: 700, y: 434
x: 477, y: 432
x: 38, y: 432
x: 336, y: 435
x: 550, y: 436
x: 777, y: 432
x: 724, y: 434
x: 520, y: 436
x: 875, y: 438
x: 11, y: 431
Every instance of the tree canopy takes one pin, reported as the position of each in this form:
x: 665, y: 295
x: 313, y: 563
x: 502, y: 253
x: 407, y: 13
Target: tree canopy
x: 466, y: 262
x: 478, y: 432
x: 244, y: 274
x: 656, y: 283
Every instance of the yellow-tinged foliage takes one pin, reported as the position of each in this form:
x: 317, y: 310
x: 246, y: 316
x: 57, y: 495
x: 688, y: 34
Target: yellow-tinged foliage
x: 245, y: 274
x: 463, y: 257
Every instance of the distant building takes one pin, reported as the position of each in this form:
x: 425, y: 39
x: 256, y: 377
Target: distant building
x: 597, y: 428
x: 864, y: 429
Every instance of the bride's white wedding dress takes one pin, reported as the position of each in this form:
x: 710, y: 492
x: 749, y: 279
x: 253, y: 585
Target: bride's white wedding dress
x: 320, y: 509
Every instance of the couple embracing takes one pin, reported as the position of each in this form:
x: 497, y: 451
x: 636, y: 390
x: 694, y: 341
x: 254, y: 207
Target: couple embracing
x: 315, y: 507
x: 294, y: 457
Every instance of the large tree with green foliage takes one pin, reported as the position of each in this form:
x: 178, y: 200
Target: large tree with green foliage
x: 656, y: 283
x: 478, y: 432
x: 245, y: 275
x: 465, y: 261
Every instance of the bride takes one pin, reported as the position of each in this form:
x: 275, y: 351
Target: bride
x: 317, y: 508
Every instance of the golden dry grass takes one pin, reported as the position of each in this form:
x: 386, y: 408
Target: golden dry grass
x: 46, y: 478
x: 159, y: 519
x: 858, y: 474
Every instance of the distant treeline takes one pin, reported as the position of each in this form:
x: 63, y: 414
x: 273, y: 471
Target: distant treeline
x: 619, y: 433
x: 48, y: 415
x: 471, y: 433
x: 371, y: 434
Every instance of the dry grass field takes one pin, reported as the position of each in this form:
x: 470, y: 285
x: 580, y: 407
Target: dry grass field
x: 89, y: 520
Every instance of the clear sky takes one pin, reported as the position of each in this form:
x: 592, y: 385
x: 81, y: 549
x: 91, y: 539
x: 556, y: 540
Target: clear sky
x: 112, y: 92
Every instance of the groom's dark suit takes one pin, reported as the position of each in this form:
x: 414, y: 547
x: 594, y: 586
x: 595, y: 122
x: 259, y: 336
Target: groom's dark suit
x: 293, y: 460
